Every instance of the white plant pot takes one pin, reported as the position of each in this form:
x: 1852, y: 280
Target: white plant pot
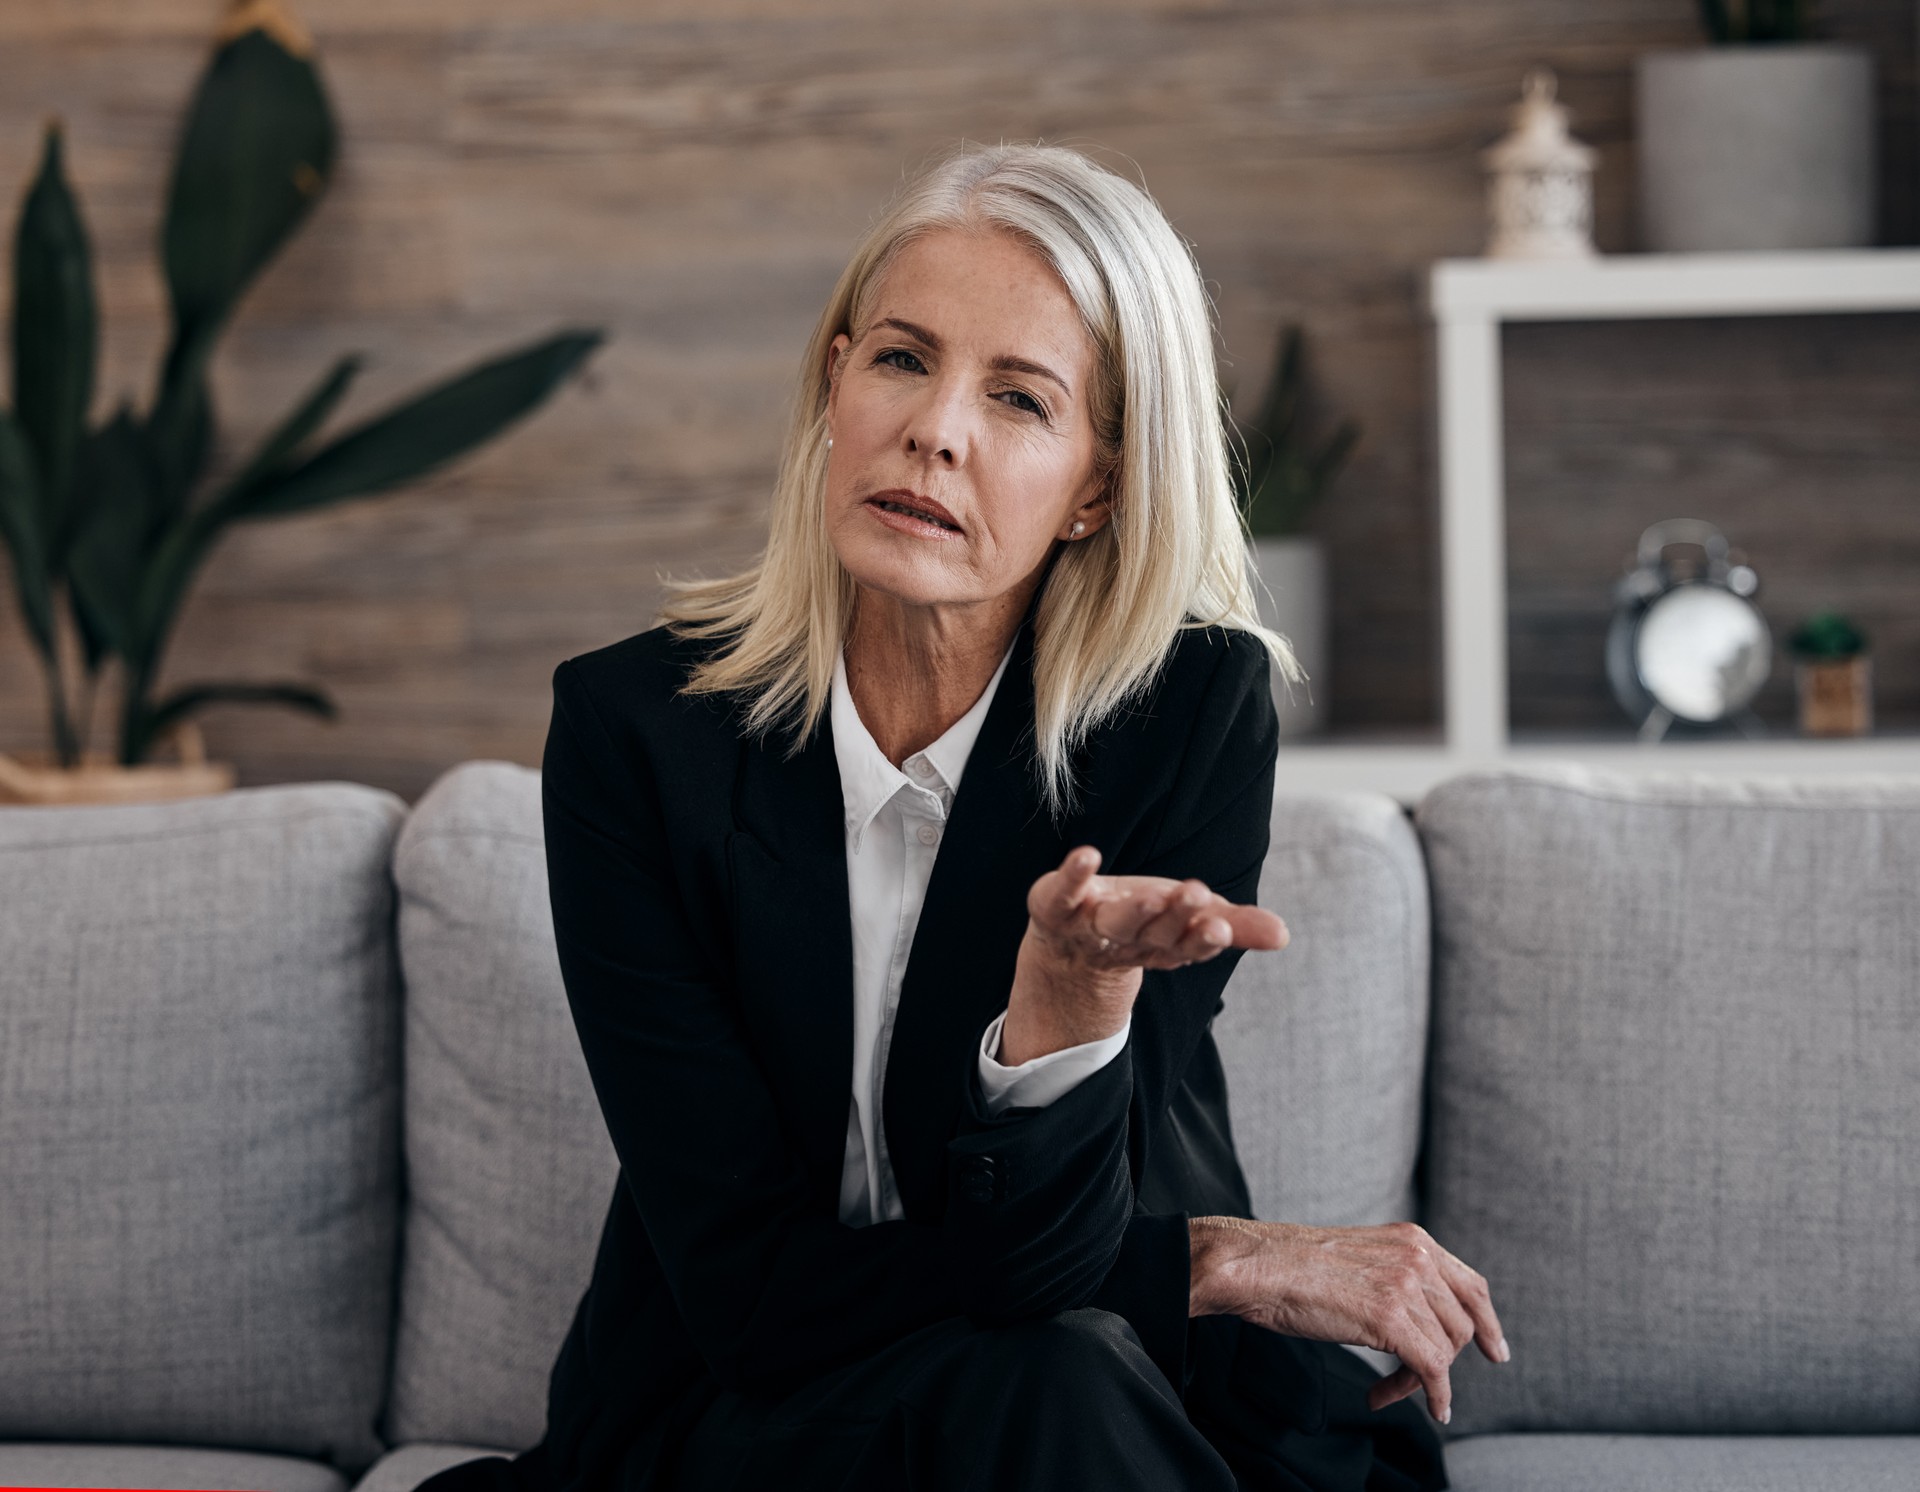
x: 1294, y: 570
x: 1756, y: 147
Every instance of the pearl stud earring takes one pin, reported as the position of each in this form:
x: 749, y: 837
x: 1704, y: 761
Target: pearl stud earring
x: 1074, y: 533
x: 829, y: 442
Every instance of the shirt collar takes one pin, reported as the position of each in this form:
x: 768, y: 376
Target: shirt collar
x: 868, y: 781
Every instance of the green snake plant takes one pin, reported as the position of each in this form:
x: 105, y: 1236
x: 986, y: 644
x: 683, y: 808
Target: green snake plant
x: 109, y: 523
x: 1284, y: 473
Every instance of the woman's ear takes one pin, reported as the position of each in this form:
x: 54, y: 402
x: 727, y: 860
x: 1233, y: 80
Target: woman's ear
x: 836, y: 359
x: 1087, y: 520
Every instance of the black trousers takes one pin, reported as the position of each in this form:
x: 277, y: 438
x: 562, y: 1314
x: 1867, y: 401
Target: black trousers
x: 1055, y: 1405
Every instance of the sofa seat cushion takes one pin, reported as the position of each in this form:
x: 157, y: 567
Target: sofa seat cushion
x: 406, y: 1468
x: 199, y: 1120
x: 1683, y: 1463
x: 1675, y: 1095
x: 510, y: 1170
x: 27, y: 1463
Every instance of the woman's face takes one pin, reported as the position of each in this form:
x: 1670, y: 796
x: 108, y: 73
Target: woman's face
x: 967, y: 395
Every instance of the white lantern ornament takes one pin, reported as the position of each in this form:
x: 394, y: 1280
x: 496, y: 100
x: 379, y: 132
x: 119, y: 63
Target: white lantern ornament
x: 1540, y: 181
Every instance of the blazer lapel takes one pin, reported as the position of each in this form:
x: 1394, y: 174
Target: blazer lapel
x: 793, y: 938
x: 959, y: 973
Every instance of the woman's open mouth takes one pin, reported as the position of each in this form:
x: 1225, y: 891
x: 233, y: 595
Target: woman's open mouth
x: 911, y: 520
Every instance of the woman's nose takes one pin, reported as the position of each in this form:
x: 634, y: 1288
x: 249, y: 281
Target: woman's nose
x: 938, y: 428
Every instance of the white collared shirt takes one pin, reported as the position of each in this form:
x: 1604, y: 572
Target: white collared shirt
x: 895, y: 821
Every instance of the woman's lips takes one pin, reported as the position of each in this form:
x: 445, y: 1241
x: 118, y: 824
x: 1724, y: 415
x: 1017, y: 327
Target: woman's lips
x: 888, y: 506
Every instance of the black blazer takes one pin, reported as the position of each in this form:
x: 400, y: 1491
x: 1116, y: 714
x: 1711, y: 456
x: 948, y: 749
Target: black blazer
x: 700, y: 905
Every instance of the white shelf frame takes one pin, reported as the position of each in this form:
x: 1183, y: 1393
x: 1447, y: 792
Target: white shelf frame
x: 1471, y: 300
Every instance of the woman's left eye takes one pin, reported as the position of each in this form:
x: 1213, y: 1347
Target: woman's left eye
x: 1030, y: 404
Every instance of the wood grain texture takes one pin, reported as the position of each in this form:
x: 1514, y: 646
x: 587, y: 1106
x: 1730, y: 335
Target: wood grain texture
x: 691, y: 176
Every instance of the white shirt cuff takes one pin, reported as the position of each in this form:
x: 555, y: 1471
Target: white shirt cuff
x: 1036, y: 1083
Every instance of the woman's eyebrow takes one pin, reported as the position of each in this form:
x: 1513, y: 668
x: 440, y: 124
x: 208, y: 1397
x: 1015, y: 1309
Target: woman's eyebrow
x: 1006, y: 362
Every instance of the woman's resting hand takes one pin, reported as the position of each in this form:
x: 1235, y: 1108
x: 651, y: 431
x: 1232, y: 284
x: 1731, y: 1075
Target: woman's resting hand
x: 1089, y: 936
x: 1389, y: 1287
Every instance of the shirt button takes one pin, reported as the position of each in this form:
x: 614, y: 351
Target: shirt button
x: 920, y: 767
x: 928, y: 834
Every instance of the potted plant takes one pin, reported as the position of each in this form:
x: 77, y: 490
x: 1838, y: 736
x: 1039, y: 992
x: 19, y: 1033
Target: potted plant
x: 1833, y: 676
x: 106, y: 525
x: 1281, y: 479
x: 1763, y: 140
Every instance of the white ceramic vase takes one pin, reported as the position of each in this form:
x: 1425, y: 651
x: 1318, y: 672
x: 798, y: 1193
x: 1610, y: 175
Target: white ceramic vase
x: 1294, y: 570
x: 1756, y: 147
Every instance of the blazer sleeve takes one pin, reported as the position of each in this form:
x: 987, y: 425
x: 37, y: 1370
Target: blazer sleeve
x: 1064, y: 1177
x: 769, y: 1289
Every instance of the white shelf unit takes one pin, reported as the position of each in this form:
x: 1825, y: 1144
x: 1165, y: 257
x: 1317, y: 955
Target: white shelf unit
x: 1470, y: 300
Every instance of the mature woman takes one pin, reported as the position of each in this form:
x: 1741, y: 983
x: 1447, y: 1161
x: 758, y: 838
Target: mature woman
x: 896, y: 882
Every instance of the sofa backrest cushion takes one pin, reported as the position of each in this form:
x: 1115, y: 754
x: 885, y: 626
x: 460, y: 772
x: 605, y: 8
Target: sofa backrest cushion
x: 509, y: 1168
x: 199, y: 1120
x: 1676, y: 1095
x: 1324, y: 1042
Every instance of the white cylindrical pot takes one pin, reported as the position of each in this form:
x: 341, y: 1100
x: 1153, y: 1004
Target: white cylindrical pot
x: 1294, y: 571
x: 1756, y: 147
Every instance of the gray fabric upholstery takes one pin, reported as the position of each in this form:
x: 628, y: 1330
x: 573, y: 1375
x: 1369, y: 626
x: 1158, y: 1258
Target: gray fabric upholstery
x: 1324, y: 1042
x: 1684, y: 1463
x: 510, y: 1171
x: 1676, y: 1094
x: 199, y: 1092
x: 408, y: 1467
x: 41, y: 1464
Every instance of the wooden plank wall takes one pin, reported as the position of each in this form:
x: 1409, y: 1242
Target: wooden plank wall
x: 691, y: 176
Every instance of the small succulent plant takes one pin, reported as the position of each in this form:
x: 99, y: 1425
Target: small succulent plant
x: 1736, y: 22
x: 1826, y: 636
x: 1285, y: 473
x: 110, y: 524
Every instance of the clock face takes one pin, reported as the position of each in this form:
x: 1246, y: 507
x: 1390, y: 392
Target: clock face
x: 1702, y: 652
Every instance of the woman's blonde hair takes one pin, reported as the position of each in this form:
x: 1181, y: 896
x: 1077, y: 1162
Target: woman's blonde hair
x: 1175, y: 552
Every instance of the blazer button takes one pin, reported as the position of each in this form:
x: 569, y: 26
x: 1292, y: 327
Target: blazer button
x: 978, y: 1173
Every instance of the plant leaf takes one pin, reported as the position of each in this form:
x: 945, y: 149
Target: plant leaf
x: 254, y: 157
x: 293, y: 431
x: 122, y: 516
x: 423, y: 433
x: 184, y: 701
x: 55, y: 332
x: 20, y: 508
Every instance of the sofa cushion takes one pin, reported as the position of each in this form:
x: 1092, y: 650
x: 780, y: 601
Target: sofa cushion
x: 510, y: 1171
x: 1324, y: 1043
x: 31, y: 1464
x: 1675, y: 1094
x: 1683, y: 1463
x: 406, y: 1468
x: 199, y: 1120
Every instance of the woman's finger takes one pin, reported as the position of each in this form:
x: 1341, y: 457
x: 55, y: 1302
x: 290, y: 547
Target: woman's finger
x: 1424, y: 1348
x: 1391, y: 1389
x: 1470, y: 1289
x: 1166, y: 929
x: 1449, y: 1312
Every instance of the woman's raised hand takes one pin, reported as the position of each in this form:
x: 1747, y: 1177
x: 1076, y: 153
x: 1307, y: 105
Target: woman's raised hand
x: 1088, y: 938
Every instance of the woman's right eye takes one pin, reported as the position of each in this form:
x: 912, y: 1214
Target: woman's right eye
x: 901, y: 352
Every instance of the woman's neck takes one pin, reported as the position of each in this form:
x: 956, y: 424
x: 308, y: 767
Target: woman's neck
x: 914, y: 670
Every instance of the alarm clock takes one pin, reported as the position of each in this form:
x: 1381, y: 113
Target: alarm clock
x: 1689, y: 647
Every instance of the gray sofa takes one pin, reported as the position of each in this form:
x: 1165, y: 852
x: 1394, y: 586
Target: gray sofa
x: 301, y: 1174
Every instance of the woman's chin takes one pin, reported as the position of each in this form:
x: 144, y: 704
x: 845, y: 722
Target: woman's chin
x: 921, y: 578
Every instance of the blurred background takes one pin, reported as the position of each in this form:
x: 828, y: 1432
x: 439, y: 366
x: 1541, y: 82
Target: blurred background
x: 691, y: 177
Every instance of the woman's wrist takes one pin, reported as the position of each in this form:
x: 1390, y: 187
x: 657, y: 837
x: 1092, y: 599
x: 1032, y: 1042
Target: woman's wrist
x: 1218, y: 1251
x: 1056, y: 1003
